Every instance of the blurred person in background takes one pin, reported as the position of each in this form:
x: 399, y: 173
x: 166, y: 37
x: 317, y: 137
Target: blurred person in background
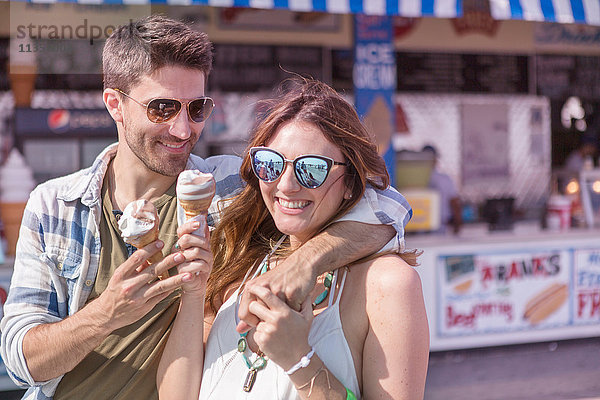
x: 586, y: 152
x: 450, y: 203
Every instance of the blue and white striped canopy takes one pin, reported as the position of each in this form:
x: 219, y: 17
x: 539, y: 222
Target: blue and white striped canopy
x: 407, y: 8
x: 563, y: 11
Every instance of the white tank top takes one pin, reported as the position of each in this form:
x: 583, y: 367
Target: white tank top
x: 225, y: 369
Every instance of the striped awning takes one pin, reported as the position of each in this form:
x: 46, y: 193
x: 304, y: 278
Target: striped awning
x: 406, y: 8
x: 563, y: 11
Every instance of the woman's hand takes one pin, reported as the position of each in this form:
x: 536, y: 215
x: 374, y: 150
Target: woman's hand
x: 282, y: 333
x: 198, y: 257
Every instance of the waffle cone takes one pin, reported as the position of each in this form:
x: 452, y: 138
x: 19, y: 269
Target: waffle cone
x: 193, y: 208
x: 145, y: 240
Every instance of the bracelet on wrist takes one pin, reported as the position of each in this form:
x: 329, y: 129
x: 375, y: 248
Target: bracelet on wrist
x: 312, y: 380
x: 303, y: 363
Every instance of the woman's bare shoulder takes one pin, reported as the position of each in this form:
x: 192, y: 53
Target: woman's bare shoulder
x: 392, y: 276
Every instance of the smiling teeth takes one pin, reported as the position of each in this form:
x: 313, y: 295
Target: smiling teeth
x: 174, y: 146
x: 293, y: 204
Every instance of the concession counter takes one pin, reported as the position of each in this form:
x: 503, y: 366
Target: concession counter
x: 494, y: 288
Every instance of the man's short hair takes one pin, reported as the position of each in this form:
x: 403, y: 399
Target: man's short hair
x: 141, y: 47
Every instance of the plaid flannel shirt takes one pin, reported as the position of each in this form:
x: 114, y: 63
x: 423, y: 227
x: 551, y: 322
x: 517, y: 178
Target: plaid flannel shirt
x: 59, y: 247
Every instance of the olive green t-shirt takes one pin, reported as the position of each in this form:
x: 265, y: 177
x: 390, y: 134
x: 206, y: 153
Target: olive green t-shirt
x: 124, y: 366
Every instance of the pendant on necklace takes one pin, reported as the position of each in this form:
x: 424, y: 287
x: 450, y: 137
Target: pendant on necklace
x: 256, y: 366
x: 250, y: 379
x: 242, y: 345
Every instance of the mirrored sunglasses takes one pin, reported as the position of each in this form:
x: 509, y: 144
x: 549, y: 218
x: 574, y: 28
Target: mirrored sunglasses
x: 310, y: 170
x: 164, y: 110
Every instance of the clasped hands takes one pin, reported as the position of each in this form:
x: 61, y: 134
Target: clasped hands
x: 279, y: 306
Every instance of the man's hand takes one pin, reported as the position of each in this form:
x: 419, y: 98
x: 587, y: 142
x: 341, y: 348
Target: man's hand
x: 132, y: 292
x: 133, y: 289
x: 291, y: 281
x: 338, y: 245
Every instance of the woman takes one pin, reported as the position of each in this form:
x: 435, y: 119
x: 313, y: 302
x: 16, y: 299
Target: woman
x: 362, y: 331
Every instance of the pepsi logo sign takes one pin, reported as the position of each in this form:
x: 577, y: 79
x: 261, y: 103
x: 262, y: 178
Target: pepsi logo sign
x: 63, y: 121
x: 58, y: 120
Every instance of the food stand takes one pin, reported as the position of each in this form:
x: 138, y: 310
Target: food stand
x: 464, y: 309
x: 526, y: 285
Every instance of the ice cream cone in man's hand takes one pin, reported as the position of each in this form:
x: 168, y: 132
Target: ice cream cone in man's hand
x: 139, y: 227
x: 195, y: 191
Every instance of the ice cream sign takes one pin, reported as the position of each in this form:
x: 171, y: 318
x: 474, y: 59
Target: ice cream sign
x: 489, y: 293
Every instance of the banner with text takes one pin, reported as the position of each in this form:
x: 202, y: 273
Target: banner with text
x: 514, y: 291
x: 374, y: 78
x: 586, y: 296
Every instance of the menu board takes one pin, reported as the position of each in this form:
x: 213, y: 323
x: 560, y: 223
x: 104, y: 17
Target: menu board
x: 248, y: 68
x: 560, y: 76
x: 462, y: 73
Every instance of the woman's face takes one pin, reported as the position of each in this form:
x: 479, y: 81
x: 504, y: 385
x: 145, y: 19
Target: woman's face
x: 298, y: 211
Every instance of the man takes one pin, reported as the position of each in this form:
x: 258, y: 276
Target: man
x: 85, y: 317
x: 450, y: 204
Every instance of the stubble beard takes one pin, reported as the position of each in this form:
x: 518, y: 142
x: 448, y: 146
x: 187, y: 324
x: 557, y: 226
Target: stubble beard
x: 145, y: 150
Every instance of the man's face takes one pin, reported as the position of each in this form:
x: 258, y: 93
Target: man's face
x: 162, y: 148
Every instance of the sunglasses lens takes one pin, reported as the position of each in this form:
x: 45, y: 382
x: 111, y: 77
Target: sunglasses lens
x: 267, y: 165
x: 200, y: 109
x: 311, y: 171
x: 162, y: 110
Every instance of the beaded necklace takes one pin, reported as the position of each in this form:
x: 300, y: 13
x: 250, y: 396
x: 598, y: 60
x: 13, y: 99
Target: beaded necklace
x: 260, y: 360
x: 323, y: 295
x: 253, y: 367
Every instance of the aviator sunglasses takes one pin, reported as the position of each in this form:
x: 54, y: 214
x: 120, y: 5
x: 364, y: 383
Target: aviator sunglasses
x: 311, y: 170
x: 164, y: 110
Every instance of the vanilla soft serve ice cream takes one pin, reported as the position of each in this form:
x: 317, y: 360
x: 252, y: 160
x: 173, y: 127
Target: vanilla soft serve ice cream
x: 195, y: 191
x: 139, y: 225
x: 138, y: 219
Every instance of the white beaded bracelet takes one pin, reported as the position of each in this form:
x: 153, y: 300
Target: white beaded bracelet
x: 303, y: 363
